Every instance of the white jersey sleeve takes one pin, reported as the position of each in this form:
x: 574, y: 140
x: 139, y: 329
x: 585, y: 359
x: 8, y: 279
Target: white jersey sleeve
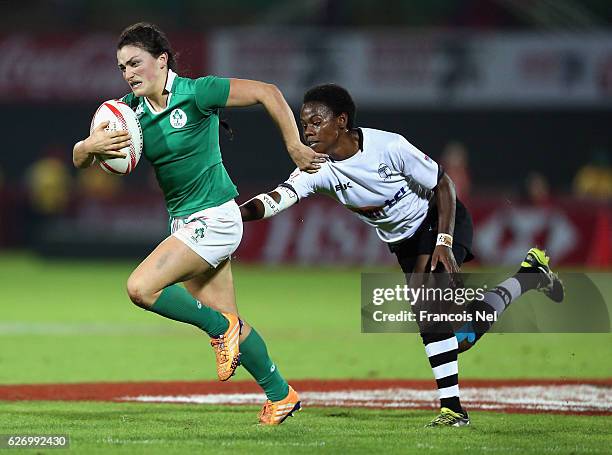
x: 302, y: 183
x: 414, y: 164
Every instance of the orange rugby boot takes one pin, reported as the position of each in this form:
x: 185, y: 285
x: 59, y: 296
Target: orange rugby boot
x: 227, y: 348
x: 275, y: 412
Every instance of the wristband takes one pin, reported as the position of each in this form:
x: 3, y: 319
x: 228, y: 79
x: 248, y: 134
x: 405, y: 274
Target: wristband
x: 270, y: 205
x: 445, y: 240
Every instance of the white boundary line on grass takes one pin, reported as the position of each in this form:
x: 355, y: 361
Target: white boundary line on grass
x: 570, y: 398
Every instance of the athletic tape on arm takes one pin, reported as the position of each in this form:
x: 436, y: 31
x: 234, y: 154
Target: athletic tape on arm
x: 271, y: 207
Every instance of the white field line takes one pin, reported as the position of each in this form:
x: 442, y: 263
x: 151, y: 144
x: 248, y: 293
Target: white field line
x: 572, y: 398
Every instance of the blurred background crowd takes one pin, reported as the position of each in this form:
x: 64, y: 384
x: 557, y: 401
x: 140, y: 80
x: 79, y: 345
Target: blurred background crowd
x: 512, y: 97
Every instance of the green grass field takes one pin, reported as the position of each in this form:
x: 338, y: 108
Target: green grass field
x: 175, y: 429
x: 68, y: 322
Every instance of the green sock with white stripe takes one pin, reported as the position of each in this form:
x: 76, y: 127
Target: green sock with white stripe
x: 254, y: 357
x: 176, y: 303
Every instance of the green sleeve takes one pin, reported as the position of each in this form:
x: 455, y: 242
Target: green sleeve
x: 211, y: 92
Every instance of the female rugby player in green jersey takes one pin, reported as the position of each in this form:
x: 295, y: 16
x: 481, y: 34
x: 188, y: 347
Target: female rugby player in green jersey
x: 180, y: 124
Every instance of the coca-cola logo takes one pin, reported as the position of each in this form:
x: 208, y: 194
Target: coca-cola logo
x: 42, y: 68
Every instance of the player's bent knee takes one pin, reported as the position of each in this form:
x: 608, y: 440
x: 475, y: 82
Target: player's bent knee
x: 139, y: 294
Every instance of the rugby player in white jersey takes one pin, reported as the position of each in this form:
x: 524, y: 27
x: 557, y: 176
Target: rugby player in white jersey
x: 406, y: 196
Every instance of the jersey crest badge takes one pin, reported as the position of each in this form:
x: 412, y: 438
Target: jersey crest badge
x: 178, y: 118
x: 384, y: 172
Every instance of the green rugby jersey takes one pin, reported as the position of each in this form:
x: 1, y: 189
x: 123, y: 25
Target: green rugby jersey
x: 182, y: 143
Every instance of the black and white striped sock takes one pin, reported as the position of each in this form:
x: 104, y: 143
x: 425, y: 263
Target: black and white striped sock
x: 442, y: 350
x: 495, y: 301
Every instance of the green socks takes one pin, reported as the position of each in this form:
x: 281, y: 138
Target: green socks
x: 254, y: 357
x: 176, y: 303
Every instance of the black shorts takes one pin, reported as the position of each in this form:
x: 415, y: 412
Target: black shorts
x: 424, y: 239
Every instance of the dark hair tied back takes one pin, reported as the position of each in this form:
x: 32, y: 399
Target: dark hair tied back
x: 150, y: 38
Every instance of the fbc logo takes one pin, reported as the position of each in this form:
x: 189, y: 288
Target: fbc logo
x: 398, y: 196
x: 374, y: 212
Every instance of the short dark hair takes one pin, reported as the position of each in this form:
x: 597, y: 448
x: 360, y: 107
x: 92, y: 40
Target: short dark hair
x: 337, y: 98
x: 150, y: 38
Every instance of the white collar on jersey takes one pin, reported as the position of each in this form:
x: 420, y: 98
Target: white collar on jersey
x: 170, y: 80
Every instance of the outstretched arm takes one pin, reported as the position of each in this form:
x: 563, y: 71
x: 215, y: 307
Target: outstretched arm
x: 265, y: 205
x: 247, y: 93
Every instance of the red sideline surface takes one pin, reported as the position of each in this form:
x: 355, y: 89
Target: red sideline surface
x: 105, y: 391
x: 102, y: 391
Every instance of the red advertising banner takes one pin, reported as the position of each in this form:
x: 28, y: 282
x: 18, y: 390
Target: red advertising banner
x: 315, y: 231
x: 573, y: 232
x: 75, y: 67
x: 319, y: 231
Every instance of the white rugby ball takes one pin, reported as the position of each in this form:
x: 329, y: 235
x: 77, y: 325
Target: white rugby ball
x: 120, y: 117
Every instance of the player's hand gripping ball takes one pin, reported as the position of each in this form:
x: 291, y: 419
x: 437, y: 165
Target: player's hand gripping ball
x: 120, y: 117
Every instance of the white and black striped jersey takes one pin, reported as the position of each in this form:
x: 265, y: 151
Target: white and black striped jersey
x: 386, y: 183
